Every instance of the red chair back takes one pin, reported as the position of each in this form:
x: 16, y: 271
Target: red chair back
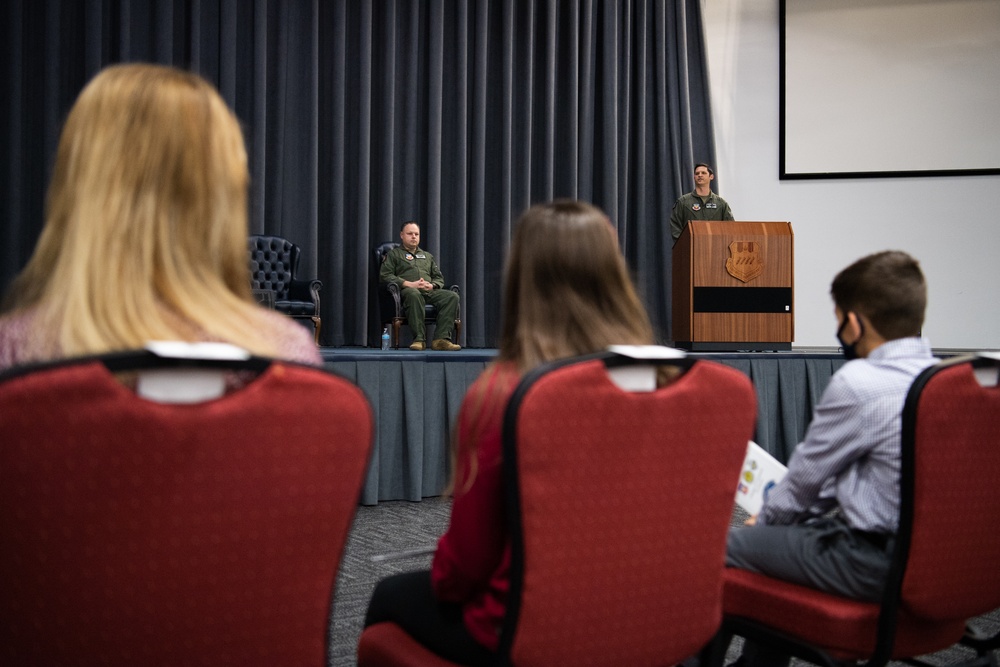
x: 141, y: 533
x: 620, y: 504
x: 951, y: 466
x: 944, y: 568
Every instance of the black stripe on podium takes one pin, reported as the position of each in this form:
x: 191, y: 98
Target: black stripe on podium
x: 742, y: 300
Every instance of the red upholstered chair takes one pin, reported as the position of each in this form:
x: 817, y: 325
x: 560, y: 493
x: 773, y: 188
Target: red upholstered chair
x: 945, y: 568
x: 619, y: 504
x: 143, y: 533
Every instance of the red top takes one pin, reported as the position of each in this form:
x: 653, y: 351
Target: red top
x: 472, y: 562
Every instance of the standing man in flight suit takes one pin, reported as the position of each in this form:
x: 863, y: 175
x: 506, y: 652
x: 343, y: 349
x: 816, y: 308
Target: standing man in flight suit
x: 702, y: 204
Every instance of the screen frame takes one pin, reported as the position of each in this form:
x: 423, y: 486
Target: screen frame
x: 785, y: 174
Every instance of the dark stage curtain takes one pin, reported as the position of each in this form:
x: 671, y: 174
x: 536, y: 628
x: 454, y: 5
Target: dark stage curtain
x: 359, y: 115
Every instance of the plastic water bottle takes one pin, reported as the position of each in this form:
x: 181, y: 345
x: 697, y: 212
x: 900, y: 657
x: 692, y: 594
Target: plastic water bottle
x: 385, y: 338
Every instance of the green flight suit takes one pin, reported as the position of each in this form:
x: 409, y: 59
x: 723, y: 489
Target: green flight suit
x: 692, y: 207
x: 402, y: 265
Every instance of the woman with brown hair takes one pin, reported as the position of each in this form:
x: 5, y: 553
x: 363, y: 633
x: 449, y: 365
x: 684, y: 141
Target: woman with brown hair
x: 567, y: 292
x: 145, y: 235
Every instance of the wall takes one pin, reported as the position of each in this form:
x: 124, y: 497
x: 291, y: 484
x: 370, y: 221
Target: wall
x: 951, y: 224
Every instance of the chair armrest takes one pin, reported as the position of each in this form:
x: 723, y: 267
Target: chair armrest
x: 305, y: 290
x: 456, y: 290
x: 393, y: 290
x: 265, y: 297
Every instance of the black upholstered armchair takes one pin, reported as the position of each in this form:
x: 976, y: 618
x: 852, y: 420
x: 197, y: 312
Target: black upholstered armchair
x: 390, y: 304
x: 274, y: 262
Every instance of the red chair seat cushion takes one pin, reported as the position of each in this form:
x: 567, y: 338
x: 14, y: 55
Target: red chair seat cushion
x: 846, y: 628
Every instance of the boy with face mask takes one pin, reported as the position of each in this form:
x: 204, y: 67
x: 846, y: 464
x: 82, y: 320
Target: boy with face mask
x: 830, y: 523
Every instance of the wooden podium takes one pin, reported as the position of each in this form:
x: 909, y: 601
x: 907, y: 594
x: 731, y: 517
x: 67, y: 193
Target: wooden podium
x: 732, y: 286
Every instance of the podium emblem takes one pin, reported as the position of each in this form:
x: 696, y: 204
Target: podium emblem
x: 744, y: 261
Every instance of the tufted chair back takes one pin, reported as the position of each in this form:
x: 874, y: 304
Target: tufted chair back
x: 274, y: 262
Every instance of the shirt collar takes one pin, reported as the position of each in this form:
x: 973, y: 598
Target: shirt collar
x: 912, y: 346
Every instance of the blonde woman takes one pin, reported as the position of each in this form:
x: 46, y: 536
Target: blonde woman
x: 566, y: 292
x: 145, y: 235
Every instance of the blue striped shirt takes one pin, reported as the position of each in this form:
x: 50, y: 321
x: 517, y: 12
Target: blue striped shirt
x: 850, y: 456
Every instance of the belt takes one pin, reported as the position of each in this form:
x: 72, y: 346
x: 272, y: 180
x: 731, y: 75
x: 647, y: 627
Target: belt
x: 878, y: 540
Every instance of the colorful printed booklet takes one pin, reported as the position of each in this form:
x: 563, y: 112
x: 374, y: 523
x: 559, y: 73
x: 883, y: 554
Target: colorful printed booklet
x: 761, y: 471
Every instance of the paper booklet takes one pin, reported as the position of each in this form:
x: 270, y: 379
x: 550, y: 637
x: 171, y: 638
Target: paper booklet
x: 760, y: 473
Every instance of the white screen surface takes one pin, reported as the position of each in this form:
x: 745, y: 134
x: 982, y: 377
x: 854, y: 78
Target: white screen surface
x: 896, y: 86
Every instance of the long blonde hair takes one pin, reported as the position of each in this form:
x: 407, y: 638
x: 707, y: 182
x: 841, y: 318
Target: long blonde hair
x: 567, y: 292
x: 146, y: 220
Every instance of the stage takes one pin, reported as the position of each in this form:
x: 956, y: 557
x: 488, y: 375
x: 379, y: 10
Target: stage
x: 415, y: 397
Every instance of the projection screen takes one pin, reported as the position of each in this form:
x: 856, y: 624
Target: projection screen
x: 875, y: 88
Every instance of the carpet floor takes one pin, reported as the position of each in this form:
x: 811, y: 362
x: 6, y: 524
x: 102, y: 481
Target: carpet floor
x: 394, y: 537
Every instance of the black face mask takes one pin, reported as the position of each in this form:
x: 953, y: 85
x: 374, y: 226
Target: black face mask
x: 850, y: 351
